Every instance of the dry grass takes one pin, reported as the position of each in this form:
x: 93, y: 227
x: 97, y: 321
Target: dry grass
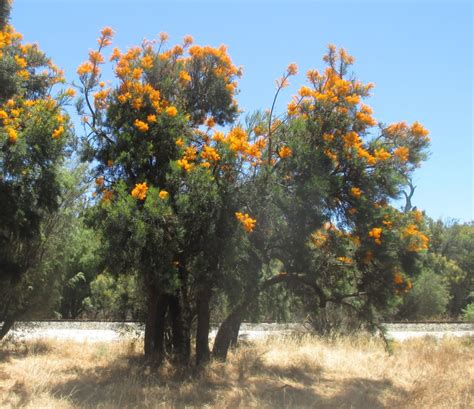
x: 286, y: 373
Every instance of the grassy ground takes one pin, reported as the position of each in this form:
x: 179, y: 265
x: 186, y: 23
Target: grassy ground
x: 289, y: 373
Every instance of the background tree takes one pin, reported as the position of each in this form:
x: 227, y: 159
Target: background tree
x: 450, y: 264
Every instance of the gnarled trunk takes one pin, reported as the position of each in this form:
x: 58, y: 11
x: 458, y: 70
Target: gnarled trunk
x: 228, y: 332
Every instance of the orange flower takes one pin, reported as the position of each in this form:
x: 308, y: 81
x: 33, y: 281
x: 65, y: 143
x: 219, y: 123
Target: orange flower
x: 381, y: 154
x: 107, y: 32
x: 163, y: 194
x: 184, y: 164
x: 184, y: 77
x: 58, y: 132
x: 318, y: 238
x: 21, y: 62
x: 330, y: 154
x: 95, y: 57
x: 210, y: 122
x: 418, y: 130
x: 187, y: 40
x: 171, y: 111
x: 210, y: 154
x: 398, y: 278
x: 356, y: 192
x: 246, y: 221
x: 402, y: 153
x: 147, y: 62
x: 285, y: 152
x: 292, y: 69
x: 85, y: 68
x: 70, y: 92
x: 140, y: 125
x: 12, y: 134
x: 352, y: 99
x: 375, y: 233
x: 139, y: 191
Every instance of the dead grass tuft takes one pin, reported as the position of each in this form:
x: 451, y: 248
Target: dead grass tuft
x: 304, y: 372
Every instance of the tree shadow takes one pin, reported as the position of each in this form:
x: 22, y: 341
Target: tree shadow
x: 304, y: 373
x: 132, y: 383
x: 18, y: 349
x: 356, y: 393
x: 368, y: 393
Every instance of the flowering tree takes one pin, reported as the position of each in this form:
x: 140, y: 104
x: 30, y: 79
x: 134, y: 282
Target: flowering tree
x: 322, y: 199
x: 33, y: 135
x: 167, y: 180
x: 311, y: 190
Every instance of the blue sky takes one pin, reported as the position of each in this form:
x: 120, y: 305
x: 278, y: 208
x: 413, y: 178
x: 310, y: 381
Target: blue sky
x: 419, y: 54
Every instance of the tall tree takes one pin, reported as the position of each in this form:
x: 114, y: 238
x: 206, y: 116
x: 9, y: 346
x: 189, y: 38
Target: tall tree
x: 166, y: 179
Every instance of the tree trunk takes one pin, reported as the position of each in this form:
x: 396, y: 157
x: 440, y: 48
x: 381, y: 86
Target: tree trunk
x: 229, y: 329
x: 203, y: 325
x: 228, y: 333
x: 150, y: 327
x: 7, y: 324
x: 155, y: 324
x: 181, y: 336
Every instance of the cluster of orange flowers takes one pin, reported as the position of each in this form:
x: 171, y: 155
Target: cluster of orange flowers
x: 345, y: 260
x: 331, y: 93
x: 132, y: 68
x: 15, y: 111
x: 285, y: 152
x: 246, y: 220
x: 25, y: 56
x: 376, y: 233
x: 356, y: 192
x: 401, y: 283
x: 417, y: 240
x: 140, y: 190
x: 236, y: 140
x: 319, y: 237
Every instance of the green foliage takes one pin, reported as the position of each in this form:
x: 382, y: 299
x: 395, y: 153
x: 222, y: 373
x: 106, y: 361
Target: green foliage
x: 451, y: 256
x: 429, y: 297
x: 114, y: 298
x: 468, y: 312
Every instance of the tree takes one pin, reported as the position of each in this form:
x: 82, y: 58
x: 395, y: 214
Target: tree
x: 34, y: 132
x: 451, y: 257
x: 321, y: 203
x: 167, y: 180
x: 428, y: 299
